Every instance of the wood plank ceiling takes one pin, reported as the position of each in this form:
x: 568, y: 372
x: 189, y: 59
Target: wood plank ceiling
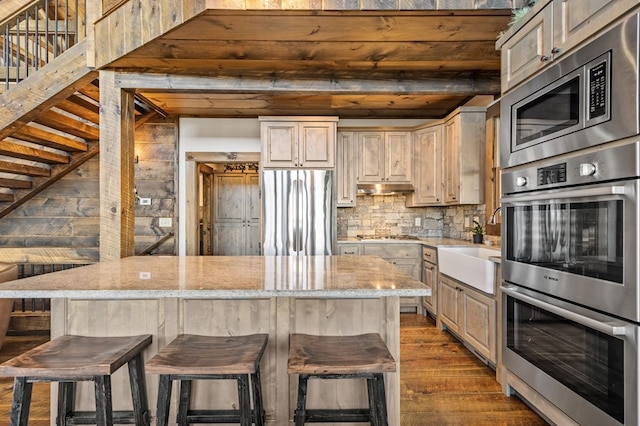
x: 424, y: 63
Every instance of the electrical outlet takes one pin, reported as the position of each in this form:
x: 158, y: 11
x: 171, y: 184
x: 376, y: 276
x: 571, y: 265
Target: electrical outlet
x: 145, y: 201
x: 418, y: 221
x: 165, y: 222
x: 467, y: 222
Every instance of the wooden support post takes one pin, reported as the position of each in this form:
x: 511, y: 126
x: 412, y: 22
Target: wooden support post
x: 117, y: 142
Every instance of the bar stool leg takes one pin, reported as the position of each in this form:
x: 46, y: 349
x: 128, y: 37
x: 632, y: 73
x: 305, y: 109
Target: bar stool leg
x: 373, y: 409
x: 164, y: 400
x: 184, y: 403
x: 104, y: 410
x: 139, y: 391
x: 257, y: 398
x: 21, y: 402
x: 302, y: 400
x: 382, y: 399
x: 66, y: 402
x: 244, y: 400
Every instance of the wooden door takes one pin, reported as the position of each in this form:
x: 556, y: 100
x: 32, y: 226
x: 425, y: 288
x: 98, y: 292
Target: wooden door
x: 206, y: 219
x: 252, y: 219
x: 236, y: 214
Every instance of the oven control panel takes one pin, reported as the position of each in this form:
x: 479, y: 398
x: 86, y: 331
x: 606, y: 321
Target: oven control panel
x: 549, y: 175
x: 605, y: 164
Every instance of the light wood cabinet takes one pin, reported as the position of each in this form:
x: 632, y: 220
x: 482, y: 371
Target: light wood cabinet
x: 430, y: 279
x: 236, y: 230
x: 469, y: 314
x: 385, y: 157
x: 427, y: 159
x: 403, y: 256
x: 555, y: 28
x: 346, y: 169
x: 288, y: 143
x: 464, y: 150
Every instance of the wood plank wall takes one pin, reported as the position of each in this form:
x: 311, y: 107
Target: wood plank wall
x: 62, y: 224
x: 155, y: 178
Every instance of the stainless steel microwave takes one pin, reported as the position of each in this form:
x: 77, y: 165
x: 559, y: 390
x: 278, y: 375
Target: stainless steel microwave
x: 587, y: 98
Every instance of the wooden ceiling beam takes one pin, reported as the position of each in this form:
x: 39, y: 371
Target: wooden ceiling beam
x: 170, y: 50
x: 440, y: 86
x: 24, y: 152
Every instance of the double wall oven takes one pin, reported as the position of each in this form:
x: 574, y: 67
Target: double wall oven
x: 571, y: 228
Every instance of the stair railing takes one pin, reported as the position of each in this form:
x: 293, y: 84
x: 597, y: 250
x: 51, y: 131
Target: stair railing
x: 38, y: 34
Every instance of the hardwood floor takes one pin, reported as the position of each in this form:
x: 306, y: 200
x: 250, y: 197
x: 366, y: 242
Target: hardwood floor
x: 442, y: 383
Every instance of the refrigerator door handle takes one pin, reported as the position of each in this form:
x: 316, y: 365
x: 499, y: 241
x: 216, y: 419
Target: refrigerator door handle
x: 297, y: 187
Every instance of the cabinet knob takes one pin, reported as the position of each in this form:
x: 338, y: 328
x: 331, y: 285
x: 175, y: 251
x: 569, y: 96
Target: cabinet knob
x: 556, y: 50
x: 544, y: 58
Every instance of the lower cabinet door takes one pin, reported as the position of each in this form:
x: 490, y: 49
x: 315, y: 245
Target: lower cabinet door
x: 448, y: 303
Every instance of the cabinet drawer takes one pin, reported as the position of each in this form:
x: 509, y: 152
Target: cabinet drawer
x: 391, y: 250
x: 349, y: 249
x: 429, y: 255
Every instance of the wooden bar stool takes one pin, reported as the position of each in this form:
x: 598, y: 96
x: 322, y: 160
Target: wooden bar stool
x: 341, y: 357
x: 70, y: 359
x: 191, y: 357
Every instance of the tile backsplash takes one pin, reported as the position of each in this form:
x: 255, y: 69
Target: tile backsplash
x: 388, y: 215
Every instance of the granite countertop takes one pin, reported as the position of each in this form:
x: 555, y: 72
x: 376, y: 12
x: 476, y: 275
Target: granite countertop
x: 222, y: 277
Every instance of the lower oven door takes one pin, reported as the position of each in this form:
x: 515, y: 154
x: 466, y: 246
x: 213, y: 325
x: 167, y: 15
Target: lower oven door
x: 583, y: 362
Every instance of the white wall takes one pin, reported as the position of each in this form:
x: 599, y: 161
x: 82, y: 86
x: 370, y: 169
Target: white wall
x: 198, y: 135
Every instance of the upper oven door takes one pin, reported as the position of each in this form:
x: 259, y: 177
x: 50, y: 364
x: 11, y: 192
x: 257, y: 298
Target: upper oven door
x: 578, y: 244
x: 575, y: 103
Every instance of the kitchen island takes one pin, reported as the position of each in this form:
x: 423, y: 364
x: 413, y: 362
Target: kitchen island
x: 211, y: 295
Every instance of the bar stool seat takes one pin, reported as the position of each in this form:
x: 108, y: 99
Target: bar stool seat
x: 341, y: 357
x: 70, y: 359
x: 193, y: 357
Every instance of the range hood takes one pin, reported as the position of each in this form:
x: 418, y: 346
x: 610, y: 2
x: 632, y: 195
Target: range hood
x: 384, y: 188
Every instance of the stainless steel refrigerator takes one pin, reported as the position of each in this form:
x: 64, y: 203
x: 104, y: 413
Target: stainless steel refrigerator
x: 298, y: 212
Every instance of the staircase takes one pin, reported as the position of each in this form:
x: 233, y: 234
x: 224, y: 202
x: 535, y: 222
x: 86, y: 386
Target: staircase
x: 49, y: 105
x: 49, y: 100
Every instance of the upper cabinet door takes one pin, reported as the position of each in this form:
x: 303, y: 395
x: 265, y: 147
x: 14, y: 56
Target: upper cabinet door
x: 398, y: 157
x: 371, y: 157
x: 290, y: 144
x: 528, y: 51
x: 427, y: 168
x: 279, y: 144
x: 346, y: 169
x: 385, y: 157
x: 316, y: 146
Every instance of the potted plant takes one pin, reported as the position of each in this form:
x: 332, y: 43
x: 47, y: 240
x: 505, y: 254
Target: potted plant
x: 478, y: 232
